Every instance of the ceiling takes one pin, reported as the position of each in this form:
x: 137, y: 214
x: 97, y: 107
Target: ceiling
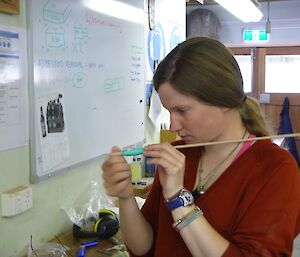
x: 290, y: 16
x: 212, y: 2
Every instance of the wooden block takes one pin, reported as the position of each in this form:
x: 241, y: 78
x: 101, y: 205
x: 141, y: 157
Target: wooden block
x: 10, y: 6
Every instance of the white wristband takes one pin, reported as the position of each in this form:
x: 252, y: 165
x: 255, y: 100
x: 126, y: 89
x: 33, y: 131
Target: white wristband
x: 181, y: 223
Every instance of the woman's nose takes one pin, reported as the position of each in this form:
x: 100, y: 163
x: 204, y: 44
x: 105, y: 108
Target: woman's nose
x: 175, y: 124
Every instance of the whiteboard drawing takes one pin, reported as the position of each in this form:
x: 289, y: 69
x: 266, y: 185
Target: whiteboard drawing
x: 79, y: 79
x: 81, y: 37
x: 56, y: 11
x: 113, y: 84
x: 54, y: 38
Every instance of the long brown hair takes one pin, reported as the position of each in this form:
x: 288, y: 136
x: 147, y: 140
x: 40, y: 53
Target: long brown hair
x: 205, y: 69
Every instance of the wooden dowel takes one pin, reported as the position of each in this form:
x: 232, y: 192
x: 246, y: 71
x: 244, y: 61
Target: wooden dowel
x: 239, y: 140
x: 138, y: 151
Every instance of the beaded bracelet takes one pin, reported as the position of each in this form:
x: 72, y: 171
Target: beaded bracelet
x: 191, y: 216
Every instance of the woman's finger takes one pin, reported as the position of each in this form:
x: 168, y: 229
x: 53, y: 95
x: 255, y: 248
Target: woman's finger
x: 166, y: 156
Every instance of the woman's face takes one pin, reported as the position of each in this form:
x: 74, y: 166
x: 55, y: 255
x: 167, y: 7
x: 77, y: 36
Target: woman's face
x: 194, y: 121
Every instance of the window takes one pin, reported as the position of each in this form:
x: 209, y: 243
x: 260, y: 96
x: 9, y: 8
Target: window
x: 245, y: 64
x: 275, y: 74
x: 243, y: 57
x: 282, y: 74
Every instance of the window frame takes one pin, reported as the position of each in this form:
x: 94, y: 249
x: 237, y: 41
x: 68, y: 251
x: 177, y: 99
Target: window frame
x: 258, y: 71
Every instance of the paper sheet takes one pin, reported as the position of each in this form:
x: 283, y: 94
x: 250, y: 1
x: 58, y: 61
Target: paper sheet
x: 14, y: 118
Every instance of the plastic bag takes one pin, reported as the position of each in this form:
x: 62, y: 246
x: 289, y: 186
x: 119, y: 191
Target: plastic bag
x: 85, y: 211
x: 48, y: 250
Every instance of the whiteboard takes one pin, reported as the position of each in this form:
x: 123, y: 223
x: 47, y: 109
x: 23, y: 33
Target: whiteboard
x: 86, y: 83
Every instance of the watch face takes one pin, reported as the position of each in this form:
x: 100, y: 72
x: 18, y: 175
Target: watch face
x: 187, y: 198
x: 183, y: 198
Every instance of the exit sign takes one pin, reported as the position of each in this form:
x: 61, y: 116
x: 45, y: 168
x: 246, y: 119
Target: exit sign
x: 250, y: 35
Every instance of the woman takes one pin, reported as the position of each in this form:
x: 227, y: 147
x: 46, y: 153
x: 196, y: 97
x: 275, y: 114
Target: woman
x: 229, y: 200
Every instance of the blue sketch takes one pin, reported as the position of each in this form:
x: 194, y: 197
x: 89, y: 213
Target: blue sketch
x: 79, y: 80
x: 156, y: 45
x: 54, y: 38
x: 136, y: 63
x: 81, y: 34
x: 175, y: 38
x: 56, y: 11
x: 113, y: 84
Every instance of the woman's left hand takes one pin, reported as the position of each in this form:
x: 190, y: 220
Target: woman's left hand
x: 170, y: 166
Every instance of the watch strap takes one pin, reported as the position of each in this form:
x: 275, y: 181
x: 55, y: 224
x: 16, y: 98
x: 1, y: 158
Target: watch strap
x: 174, y: 203
x: 179, y: 200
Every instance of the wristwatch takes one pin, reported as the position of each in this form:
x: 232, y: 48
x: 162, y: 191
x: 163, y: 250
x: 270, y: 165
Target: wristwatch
x: 183, y: 198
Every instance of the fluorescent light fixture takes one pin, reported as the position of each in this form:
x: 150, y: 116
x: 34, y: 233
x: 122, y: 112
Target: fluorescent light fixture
x: 116, y: 9
x: 245, y: 10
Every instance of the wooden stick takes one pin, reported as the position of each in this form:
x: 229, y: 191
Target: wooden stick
x: 239, y: 140
x: 139, y: 151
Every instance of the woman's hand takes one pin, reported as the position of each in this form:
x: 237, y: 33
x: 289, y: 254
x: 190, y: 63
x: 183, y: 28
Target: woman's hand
x: 117, y: 175
x: 170, y: 166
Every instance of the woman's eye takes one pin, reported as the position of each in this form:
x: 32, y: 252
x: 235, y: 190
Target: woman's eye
x: 181, y: 111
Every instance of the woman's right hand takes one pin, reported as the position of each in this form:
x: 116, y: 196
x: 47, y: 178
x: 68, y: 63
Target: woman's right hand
x: 117, y: 175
